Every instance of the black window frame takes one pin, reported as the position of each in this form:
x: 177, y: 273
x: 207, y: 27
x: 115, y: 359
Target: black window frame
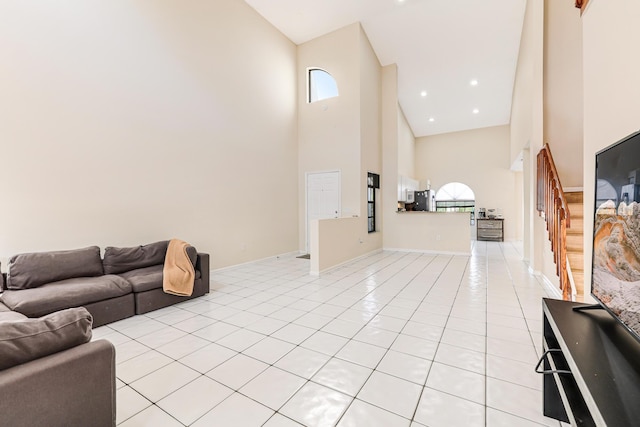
x: 373, y: 183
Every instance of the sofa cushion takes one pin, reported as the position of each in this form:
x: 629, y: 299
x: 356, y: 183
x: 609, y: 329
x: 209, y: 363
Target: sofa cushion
x: 148, y: 278
x: 10, y: 316
x: 29, y: 339
x: 35, y: 269
x: 144, y: 279
x: 119, y: 260
x: 64, y: 294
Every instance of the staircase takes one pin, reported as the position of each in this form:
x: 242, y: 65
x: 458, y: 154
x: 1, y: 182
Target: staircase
x: 575, y: 242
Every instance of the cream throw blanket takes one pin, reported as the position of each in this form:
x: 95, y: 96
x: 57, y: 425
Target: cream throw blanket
x: 178, y: 274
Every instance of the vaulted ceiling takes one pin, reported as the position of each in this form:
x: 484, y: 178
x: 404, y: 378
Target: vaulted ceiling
x: 441, y: 48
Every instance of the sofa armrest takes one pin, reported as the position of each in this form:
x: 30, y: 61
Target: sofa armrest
x: 202, y: 265
x: 75, y: 387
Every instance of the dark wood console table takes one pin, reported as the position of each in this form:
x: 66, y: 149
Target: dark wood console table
x: 603, y: 386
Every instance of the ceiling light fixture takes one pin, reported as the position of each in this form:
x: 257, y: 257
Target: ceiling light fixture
x: 476, y: 111
x: 431, y: 119
x: 423, y: 93
x: 474, y: 82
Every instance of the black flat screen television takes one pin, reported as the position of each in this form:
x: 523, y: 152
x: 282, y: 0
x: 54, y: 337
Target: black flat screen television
x: 615, y: 271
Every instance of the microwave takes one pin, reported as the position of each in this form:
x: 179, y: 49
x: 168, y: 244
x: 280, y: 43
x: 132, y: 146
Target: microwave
x: 410, y: 197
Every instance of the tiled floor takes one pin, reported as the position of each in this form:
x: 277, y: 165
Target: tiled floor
x: 392, y: 339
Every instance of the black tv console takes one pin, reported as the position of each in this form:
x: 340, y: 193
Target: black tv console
x: 592, y: 367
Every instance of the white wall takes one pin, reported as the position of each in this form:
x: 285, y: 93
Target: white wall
x: 341, y: 133
x: 430, y: 232
x: 563, y: 89
x: 335, y: 241
x: 329, y: 130
x: 611, y: 91
x: 123, y: 123
x: 406, y: 147
x: 480, y: 159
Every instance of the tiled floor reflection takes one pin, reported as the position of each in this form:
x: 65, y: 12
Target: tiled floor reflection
x: 392, y: 339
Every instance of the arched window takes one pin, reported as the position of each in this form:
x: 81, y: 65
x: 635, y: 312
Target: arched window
x: 321, y: 85
x: 456, y: 197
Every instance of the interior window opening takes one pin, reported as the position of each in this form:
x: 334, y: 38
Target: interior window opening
x: 456, y: 197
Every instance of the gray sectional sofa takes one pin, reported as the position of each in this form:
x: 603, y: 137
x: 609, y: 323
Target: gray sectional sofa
x: 51, y: 374
x: 126, y: 281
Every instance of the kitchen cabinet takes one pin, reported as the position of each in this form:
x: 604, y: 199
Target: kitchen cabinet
x: 406, y: 187
x: 490, y: 229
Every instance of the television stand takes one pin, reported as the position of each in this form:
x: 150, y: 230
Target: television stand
x: 591, y: 367
x: 588, y: 307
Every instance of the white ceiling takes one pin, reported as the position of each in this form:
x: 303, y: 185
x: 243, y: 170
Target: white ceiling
x: 438, y: 45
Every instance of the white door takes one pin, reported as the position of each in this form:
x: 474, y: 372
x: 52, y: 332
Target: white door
x: 323, y: 197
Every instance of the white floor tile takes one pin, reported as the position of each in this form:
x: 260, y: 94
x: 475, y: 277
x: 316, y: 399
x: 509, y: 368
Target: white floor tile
x: 508, y: 349
x: 343, y: 376
x: 152, y: 416
x: 236, y: 410
x: 463, y: 312
x: 207, y: 358
x: 313, y: 320
x: 216, y: 331
x: 128, y: 403
x: 161, y: 337
x: 497, y: 418
x: 163, y: 381
x: 391, y: 393
x: 139, y: 366
x: 364, y: 414
x: 240, y: 340
x: 269, y: 350
x: 194, y: 323
x: 461, y: 358
x: 510, y: 370
x: 128, y: 350
x: 293, y: 333
x: 324, y: 343
x: 364, y: 354
x: 278, y: 420
x: 376, y: 336
x: 183, y: 346
x: 464, y: 340
x: 438, y: 409
x: 266, y: 325
x: 237, y: 371
x: 458, y: 382
x: 517, y: 400
x: 194, y: 399
x: 302, y: 362
x: 273, y: 387
x: 388, y: 323
x: 405, y: 366
x: 415, y: 346
x: 316, y: 405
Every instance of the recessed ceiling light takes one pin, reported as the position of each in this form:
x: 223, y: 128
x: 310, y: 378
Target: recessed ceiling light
x: 423, y: 93
x: 431, y: 119
x: 476, y: 111
x: 474, y: 82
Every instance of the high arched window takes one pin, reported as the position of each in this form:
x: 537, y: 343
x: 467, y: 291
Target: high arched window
x: 322, y: 85
x: 456, y: 197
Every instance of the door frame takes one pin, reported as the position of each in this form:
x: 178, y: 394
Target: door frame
x: 306, y: 200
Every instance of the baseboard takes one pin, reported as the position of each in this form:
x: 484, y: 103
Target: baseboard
x: 573, y: 189
x: 551, y: 288
x: 318, y: 273
x: 425, y: 251
x: 229, y: 267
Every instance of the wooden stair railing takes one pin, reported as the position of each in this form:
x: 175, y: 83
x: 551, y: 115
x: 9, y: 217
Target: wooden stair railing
x: 552, y: 204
